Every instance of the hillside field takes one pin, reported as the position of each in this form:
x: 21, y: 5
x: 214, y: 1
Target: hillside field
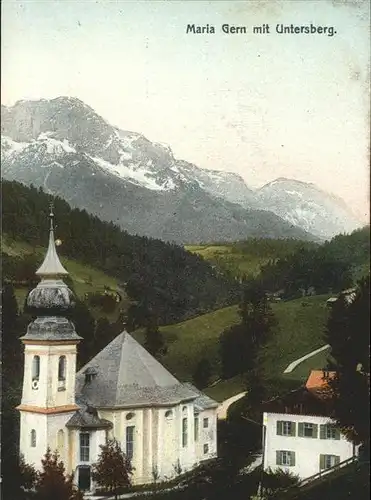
x: 86, y: 279
x: 300, y: 330
x: 246, y: 257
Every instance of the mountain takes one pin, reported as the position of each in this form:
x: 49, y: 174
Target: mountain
x: 305, y: 205
x: 65, y: 147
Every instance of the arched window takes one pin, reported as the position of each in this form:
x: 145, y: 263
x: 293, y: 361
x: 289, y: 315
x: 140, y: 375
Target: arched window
x: 36, y: 368
x: 60, y: 440
x: 33, y: 438
x: 62, y: 368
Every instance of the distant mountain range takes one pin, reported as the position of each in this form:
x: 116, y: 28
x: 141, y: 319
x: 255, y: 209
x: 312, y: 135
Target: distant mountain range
x: 65, y: 147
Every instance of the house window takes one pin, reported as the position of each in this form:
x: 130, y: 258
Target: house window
x: 306, y: 429
x: 329, y: 432
x: 206, y: 449
x: 285, y: 428
x: 206, y: 423
x: 33, y: 438
x: 286, y: 458
x: 130, y: 441
x: 196, y: 429
x: 184, y: 432
x: 62, y: 368
x: 84, y: 446
x: 36, y: 368
x: 328, y: 461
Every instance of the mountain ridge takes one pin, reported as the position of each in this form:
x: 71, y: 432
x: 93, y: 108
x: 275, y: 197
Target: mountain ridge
x: 49, y: 142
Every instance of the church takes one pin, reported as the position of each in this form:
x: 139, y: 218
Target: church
x: 165, y: 427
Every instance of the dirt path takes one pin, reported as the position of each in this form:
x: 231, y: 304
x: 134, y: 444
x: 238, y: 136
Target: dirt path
x: 294, y: 364
x: 223, y: 407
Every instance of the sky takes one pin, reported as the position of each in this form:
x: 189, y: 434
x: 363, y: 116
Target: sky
x: 261, y: 105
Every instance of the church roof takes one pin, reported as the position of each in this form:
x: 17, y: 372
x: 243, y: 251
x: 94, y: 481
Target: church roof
x: 128, y: 376
x: 87, y: 418
x: 51, y: 328
x: 203, y: 402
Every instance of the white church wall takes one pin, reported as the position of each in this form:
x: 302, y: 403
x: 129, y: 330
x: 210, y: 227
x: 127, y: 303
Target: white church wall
x: 33, y: 451
x: 44, y: 392
x: 206, y: 446
x: 170, y: 441
x: 187, y: 453
x: 55, y: 423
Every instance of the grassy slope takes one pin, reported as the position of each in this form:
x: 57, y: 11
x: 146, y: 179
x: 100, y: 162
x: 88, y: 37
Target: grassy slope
x: 86, y: 279
x: 300, y: 331
x: 228, y: 257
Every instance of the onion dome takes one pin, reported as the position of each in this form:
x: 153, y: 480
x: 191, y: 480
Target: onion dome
x: 51, y: 295
x: 51, y: 328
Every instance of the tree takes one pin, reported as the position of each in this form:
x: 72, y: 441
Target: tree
x: 202, y: 373
x: 274, y: 481
x: 154, y: 341
x: 28, y: 474
x: 348, y: 335
x: 239, y: 344
x: 113, y: 470
x: 52, y: 482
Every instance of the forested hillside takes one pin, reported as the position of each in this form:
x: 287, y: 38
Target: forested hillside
x: 162, y: 280
x: 327, y: 268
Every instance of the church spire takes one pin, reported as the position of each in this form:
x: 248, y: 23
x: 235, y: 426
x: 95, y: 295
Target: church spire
x: 51, y: 267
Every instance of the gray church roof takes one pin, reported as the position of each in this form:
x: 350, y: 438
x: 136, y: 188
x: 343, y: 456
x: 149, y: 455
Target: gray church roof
x: 87, y: 418
x: 203, y: 402
x: 51, y: 328
x: 128, y: 376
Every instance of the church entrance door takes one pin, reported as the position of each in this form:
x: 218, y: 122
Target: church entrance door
x: 84, y: 478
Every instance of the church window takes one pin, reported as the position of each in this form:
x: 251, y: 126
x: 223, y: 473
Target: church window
x: 206, y: 448
x: 169, y: 414
x: 196, y: 427
x: 130, y: 441
x: 62, y: 368
x: 184, y: 432
x: 33, y: 438
x: 206, y: 423
x: 130, y: 415
x: 84, y: 446
x: 60, y: 440
x: 36, y: 368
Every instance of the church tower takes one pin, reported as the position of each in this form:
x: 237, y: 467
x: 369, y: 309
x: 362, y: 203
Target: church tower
x: 48, y: 397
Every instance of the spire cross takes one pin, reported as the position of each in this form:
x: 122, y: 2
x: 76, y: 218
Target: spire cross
x: 51, y: 215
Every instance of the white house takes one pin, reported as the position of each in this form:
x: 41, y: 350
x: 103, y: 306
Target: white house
x: 164, y: 427
x: 298, y: 435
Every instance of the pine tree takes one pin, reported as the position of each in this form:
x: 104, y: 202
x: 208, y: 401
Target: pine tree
x: 113, y: 470
x: 202, y: 373
x: 348, y: 333
x: 52, y: 482
x: 154, y: 341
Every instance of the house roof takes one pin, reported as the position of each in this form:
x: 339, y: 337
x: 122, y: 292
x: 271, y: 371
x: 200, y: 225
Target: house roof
x: 128, y: 376
x: 318, y: 379
x: 311, y: 399
x: 302, y: 401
